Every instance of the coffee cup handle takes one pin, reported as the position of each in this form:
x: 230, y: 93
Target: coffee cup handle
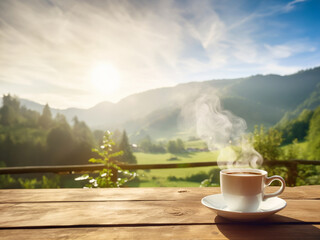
x: 269, y: 180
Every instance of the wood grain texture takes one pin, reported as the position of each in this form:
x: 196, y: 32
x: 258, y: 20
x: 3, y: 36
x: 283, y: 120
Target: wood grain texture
x: 134, y: 212
x: 234, y: 231
x: 147, y: 213
x: 149, y: 194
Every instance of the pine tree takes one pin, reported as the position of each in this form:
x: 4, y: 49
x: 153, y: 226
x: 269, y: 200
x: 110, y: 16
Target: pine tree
x: 9, y: 113
x: 7, y: 116
x: 117, y: 138
x: 45, y: 119
x: 82, y: 132
x: 124, y: 146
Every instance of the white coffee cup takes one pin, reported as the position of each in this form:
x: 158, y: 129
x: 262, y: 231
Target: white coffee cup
x: 243, y: 189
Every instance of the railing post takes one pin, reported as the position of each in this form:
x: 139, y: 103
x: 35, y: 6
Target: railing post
x: 292, y: 173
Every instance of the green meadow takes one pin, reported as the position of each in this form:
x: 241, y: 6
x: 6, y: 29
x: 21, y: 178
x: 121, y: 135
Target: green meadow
x: 191, y: 177
x: 154, y: 158
x: 173, y: 177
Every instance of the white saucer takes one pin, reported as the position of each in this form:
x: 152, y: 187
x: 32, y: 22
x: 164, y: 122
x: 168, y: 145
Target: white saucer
x: 267, y: 208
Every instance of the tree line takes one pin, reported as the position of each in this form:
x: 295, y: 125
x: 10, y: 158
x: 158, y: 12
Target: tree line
x: 176, y: 146
x: 30, y: 138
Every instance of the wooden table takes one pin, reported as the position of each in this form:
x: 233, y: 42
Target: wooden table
x: 147, y: 213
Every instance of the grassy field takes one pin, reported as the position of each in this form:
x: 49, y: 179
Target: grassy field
x: 149, y: 158
x: 159, y: 177
x: 181, y: 177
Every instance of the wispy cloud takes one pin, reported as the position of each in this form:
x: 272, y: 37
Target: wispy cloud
x: 291, y: 5
x: 289, y: 49
x: 49, y: 47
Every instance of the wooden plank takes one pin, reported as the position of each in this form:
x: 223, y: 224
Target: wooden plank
x: 122, y: 194
x: 243, y: 231
x: 156, y: 194
x: 135, y: 212
x: 95, y: 167
x: 301, y: 192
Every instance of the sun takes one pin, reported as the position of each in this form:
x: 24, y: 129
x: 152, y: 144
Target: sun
x: 105, y: 78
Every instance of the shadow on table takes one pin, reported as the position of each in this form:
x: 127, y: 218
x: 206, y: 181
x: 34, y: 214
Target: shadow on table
x: 275, y: 227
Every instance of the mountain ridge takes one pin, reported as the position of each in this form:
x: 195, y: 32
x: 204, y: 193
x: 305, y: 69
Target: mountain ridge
x: 259, y: 99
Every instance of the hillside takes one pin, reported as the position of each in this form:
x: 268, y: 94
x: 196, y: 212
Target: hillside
x: 257, y: 99
x: 260, y: 99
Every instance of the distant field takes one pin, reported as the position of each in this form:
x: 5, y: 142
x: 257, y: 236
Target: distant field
x: 159, y: 177
x: 149, y: 158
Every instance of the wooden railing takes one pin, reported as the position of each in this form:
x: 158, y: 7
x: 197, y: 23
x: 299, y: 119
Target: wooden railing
x: 291, y: 165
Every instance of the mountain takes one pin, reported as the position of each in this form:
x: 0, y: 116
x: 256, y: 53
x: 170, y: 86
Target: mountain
x: 259, y: 99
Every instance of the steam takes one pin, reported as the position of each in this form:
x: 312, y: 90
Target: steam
x: 217, y: 127
x: 222, y: 131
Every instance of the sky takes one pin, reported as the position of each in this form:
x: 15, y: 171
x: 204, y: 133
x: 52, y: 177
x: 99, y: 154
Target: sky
x: 77, y: 53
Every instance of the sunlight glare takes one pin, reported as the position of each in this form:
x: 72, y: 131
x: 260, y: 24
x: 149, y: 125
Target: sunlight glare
x: 105, y: 78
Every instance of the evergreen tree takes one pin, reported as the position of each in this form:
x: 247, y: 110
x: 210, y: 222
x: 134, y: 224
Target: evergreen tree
x: 12, y: 102
x: 60, y: 120
x: 30, y: 117
x: 7, y: 116
x: 45, y: 119
x: 10, y: 110
x: 117, y: 138
x: 124, y: 146
x: 82, y: 132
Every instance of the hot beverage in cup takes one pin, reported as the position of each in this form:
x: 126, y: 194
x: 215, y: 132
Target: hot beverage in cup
x: 243, y: 189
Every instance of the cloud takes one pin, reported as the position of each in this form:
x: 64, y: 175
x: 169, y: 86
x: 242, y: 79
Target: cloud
x: 287, y: 50
x: 280, y: 51
x: 58, y: 43
x: 291, y: 5
x: 49, y: 47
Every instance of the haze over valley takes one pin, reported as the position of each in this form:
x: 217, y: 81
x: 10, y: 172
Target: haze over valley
x: 259, y: 99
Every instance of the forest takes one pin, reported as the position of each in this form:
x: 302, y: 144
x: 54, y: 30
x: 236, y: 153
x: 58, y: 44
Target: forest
x: 30, y: 138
